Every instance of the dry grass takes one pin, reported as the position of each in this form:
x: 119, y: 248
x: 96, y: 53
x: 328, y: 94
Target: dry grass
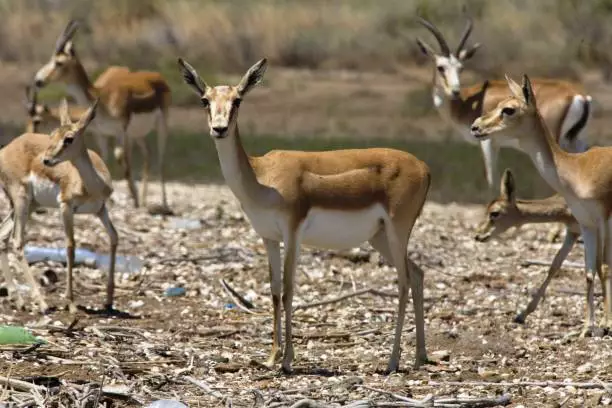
x: 547, y: 36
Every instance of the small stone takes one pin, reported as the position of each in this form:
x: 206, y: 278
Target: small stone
x: 585, y: 368
x: 441, y: 355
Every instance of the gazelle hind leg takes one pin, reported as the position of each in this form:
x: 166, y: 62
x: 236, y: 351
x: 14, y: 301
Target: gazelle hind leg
x: 606, y: 277
x: 568, y: 244
x: 162, y: 137
x: 292, y: 252
x: 591, y: 258
x: 114, y: 240
x: 144, y: 180
x: 68, y: 220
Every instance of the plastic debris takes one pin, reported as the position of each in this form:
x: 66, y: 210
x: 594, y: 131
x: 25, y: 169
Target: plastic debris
x: 184, y: 223
x: 123, y: 264
x: 174, y: 291
x: 17, y: 335
x: 166, y: 404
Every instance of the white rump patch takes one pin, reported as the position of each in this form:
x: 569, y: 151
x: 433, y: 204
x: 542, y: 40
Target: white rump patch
x: 45, y: 192
x: 573, y: 115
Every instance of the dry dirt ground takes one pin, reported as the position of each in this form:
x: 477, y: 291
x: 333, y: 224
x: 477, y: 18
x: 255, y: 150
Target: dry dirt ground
x: 472, y: 292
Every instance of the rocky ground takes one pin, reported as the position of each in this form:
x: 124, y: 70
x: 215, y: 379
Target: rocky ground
x: 204, y: 350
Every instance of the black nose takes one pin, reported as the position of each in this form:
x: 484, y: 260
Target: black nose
x: 39, y: 83
x: 474, y: 129
x: 46, y: 162
x: 456, y: 93
x: 220, y: 129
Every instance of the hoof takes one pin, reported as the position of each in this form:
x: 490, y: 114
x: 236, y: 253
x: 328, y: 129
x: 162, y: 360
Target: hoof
x: 519, y: 318
x: 286, y: 369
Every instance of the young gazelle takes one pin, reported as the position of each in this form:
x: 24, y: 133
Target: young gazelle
x: 122, y: 95
x: 564, y: 105
x: 38, y: 170
x: 506, y: 211
x: 333, y: 199
x: 583, y: 179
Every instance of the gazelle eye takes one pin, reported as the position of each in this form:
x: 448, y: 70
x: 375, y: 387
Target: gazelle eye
x: 440, y: 69
x: 68, y: 141
x: 494, y: 214
x: 205, y: 103
x: 237, y: 102
x: 508, y: 111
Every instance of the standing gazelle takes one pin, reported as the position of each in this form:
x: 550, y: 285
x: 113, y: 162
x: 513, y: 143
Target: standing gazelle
x: 507, y: 211
x: 333, y: 199
x: 38, y: 170
x: 563, y: 105
x: 583, y: 179
x: 122, y: 95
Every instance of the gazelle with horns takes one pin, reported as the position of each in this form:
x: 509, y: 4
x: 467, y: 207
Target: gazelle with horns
x: 123, y: 94
x: 583, y: 179
x: 333, y: 199
x: 506, y: 211
x: 57, y: 170
x: 564, y: 106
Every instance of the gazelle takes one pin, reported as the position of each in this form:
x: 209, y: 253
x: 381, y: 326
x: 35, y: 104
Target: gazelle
x: 122, y: 95
x: 583, y: 179
x: 38, y: 170
x: 506, y: 211
x: 333, y: 199
x: 563, y: 105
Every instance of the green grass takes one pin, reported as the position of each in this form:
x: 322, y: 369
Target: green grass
x: 456, y: 167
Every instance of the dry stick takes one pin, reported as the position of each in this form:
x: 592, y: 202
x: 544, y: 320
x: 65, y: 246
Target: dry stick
x: 344, y: 297
x: 308, y: 403
x: 537, y: 262
x: 582, y: 385
x: 203, y: 386
x: 21, y: 385
x: 239, y: 301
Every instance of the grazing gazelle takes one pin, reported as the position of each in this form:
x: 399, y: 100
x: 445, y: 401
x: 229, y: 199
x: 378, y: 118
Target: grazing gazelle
x: 333, y: 199
x: 54, y: 171
x: 123, y: 94
x: 506, y: 211
x: 563, y: 105
x: 583, y: 179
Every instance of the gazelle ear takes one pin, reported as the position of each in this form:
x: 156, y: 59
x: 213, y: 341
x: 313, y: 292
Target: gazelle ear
x: 191, y: 78
x: 88, y: 116
x: 528, y: 91
x: 252, y: 77
x: 507, y: 186
x: 515, y: 88
x: 425, y: 48
x: 64, y: 113
x: 465, y: 55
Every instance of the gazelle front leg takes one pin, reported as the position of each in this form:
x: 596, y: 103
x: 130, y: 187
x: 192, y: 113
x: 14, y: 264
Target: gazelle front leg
x: 568, y: 244
x: 144, y: 180
x: 68, y: 220
x: 274, y: 266
x: 125, y: 158
x: 114, y: 240
x: 292, y: 251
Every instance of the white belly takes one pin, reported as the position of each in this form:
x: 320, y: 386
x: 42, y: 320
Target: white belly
x: 45, y: 192
x: 265, y: 222
x: 585, y: 212
x: 336, y: 229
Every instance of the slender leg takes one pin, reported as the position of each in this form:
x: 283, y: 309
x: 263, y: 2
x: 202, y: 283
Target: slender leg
x: 144, y: 150
x: 416, y: 281
x: 127, y: 167
x: 292, y: 251
x: 568, y: 244
x: 8, y: 226
x: 274, y: 266
x: 114, y: 240
x: 68, y: 220
x: 490, y: 152
x: 162, y: 137
x: 590, y: 237
x: 606, y: 277
x: 102, y: 142
x: 21, y: 218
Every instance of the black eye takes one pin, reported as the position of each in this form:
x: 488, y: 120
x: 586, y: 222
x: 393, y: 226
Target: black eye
x: 59, y: 63
x: 508, y: 111
x: 68, y: 141
x: 237, y: 102
x: 494, y: 214
x: 440, y: 68
x: 205, y: 102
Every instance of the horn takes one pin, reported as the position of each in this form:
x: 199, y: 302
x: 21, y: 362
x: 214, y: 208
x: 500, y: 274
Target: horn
x: 443, y: 44
x: 66, y: 35
x: 464, y: 37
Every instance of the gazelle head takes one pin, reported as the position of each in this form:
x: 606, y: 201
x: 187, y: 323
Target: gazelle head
x: 67, y: 141
x: 222, y: 103
x: 63, y: 63
x: 37, y: 112
x: 502, y: 213
x: 448, y: 65
x: 513, y: 118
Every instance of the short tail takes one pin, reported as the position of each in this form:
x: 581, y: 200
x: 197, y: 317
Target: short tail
x: 575, y: 130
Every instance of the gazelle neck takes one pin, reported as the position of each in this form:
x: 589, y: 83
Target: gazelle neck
x: 462, y: 110
x: 544, y: 211
x: 544, y: 152
x: 238, y: 171
x: 80, y: 87
x: 93, y: 183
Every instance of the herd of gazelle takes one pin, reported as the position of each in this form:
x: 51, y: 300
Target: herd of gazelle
x: 332, y: 199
